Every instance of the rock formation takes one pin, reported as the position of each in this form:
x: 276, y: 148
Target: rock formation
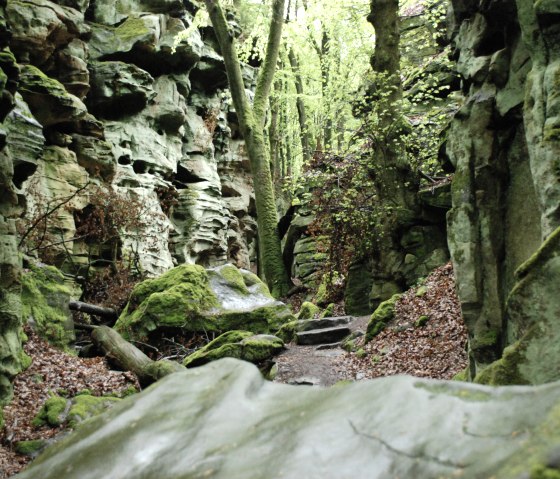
x: 223, y: 420
x: 112, y: 98
x: 11, y: 353
x: 505, y: 147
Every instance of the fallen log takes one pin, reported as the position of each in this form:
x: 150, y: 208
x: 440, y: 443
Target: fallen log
x: 94, y: 310
x: 130, y: 358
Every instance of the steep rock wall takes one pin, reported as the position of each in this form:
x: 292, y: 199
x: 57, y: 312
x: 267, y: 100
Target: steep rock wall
x: 109, y: 97
x: 11, y: 354
x: 505, y: 192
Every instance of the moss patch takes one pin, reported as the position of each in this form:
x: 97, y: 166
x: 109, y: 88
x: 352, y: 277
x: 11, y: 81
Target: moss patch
x: 505, y: 371
x: 30, y: 448
x: 237, y: 344
x: 131, y: 28
x: 233, y: 277
x: 53, y: 412
x: 308, y: 310
x: 85, y: 406
x: 384, y: 313
x: 177, y: 299
x: 45, y: 299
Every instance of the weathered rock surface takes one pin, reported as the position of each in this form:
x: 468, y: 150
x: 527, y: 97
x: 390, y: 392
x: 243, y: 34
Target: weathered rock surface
x: 12, y: 357
x: 197, y: 300
x: 163, y: 133
x: 225, y: 421
x: 322, y: 336
x: 505, y: 190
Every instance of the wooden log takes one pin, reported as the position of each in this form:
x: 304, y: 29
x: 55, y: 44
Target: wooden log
x: 94, y: 310
x: 130, y: 358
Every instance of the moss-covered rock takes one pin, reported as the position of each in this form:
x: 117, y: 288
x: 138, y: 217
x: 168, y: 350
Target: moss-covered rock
x: 328, y: 311
x: 45, y: 297
x: 237, y: 344
x: 226, y: 415
x: 85, y: 406
x: 381, y: 317
x: 308, y: 310
x: 194, y: 299
x: 52, y: 413
x: 30, y: 448
x: 505, y: 371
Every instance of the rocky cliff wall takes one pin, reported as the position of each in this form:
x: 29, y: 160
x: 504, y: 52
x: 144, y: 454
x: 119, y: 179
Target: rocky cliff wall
x: 505, y: 146
x: 113, y: 112
x: 11, y: 354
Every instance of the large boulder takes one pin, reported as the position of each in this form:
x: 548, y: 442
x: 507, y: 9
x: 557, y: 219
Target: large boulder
x: 225, y: 421
x: 193, y: 299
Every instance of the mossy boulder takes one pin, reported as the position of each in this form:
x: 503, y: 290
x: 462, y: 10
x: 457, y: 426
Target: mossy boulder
x: 237, y: 344
x: 52, y: 413
x: 308, y: 310
x: 45, y: 297
x: 59, y: 411
x: 224, y: 420
x: 194, y: 299
x: 381, y: 317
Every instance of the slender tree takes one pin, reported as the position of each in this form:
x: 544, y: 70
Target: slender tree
x: 251, y: 123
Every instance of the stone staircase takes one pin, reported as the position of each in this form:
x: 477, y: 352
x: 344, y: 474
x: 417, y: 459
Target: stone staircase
x: 323, y: 331
x: 312, y: 360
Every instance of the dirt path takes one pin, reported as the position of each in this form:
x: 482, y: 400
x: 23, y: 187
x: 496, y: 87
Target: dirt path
x: 314, y: 365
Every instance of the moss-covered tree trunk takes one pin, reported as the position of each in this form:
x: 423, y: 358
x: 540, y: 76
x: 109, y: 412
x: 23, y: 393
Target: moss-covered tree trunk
x: 251, y: 121
x: 300, y: 104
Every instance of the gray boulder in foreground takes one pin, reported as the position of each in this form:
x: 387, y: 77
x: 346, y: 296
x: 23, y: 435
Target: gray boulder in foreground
x: 223, y: 420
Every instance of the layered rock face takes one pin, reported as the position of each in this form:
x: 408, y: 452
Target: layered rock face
x: 11, y: 354
x: 125, y: 97
x: 505, y: 146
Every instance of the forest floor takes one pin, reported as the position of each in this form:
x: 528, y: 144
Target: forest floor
x: 435, y: 350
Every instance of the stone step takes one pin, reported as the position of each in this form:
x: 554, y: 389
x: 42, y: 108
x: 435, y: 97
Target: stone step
x: 322, y: 336
x: 323, y: 323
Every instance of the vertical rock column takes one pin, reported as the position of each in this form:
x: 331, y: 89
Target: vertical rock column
x: 11, y: 353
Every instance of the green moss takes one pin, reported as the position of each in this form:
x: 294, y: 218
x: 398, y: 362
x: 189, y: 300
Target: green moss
x: 30, y: 448
x: 287, y: 331
x: 328, y: 311
x: 176, y: 299
x: 254, y: 282
x: 421, y: 321
x: 159, y: 369
x: 25, y: 360
x: 548, y: 249
x: 542, y: 472
x: 33, y: 80
x: 381, y: 317
x: 45, y: 302
x: 421, y: 291
x: 86, y: 406
x: 236, y: 344
x: 52, y: 413
x: 484, y: 339
x: 361, y: 353
x: 505, y: 371
x: 260, y: 320
x: 308, y: 310
x: 131, y: 28
x: 462, y: 376
x: 234, y: 278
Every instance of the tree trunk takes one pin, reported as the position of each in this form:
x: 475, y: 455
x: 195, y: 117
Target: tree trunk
x: 302, y: 115
x: 93, y: 310
x: 130, y: 358
x: 251, y: 122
